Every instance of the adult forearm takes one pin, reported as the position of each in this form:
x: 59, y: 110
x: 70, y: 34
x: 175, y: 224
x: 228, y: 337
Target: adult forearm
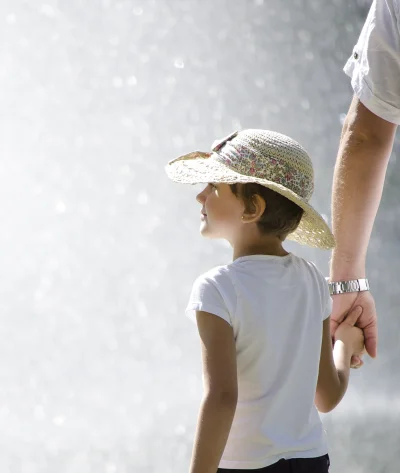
x: 357, y: 189
x: 213, y: 426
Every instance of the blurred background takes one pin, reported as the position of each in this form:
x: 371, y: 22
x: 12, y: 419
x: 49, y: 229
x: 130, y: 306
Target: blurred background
x: 99, y: 368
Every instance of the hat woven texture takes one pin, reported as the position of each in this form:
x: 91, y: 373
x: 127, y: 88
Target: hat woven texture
x: 267, y: 158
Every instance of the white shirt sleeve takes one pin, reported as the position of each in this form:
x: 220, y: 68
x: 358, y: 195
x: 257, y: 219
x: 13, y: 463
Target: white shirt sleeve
x: 207, y: 297
x: 326, y: 300
x: 323, y: 289
x: 374, y: 66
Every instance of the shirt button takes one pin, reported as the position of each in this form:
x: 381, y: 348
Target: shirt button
x: 355, y: 55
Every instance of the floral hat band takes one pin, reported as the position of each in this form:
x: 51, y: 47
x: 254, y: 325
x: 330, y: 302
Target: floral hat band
x: 290, y: 167
x: 269, y: 160
x: 264, y: 157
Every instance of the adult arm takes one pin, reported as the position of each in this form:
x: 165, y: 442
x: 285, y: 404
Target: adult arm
x: 366, y: 143
x: 364, y: 151
x: 220, y: 392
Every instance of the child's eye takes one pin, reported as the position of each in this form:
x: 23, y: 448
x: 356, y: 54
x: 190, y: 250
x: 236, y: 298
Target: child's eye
x: 212, y: 185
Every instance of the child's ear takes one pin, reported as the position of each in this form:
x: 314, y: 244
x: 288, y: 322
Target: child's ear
x: 256, y: 211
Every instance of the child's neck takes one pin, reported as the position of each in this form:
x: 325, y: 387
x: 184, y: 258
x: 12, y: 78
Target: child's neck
x: 268, y: 246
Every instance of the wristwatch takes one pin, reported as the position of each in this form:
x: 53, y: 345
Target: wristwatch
x: 354, y: 285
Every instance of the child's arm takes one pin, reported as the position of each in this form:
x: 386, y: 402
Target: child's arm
x: 334, y: 367
x: 220, y: 392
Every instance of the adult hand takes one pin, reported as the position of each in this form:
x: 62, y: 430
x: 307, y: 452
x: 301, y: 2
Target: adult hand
x: 342, y: 304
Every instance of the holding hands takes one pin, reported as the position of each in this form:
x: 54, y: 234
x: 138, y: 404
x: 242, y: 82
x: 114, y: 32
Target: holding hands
x: 354, y: 310
x: 351, y: 336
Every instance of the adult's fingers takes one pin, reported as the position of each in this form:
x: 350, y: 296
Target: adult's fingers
x: 368, y: 322
x: 371, y: 339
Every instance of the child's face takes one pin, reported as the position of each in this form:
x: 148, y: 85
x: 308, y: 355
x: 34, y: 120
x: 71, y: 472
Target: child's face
x: 221, y: 213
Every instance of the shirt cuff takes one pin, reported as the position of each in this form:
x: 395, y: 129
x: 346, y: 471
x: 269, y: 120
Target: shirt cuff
x: 212, y: 309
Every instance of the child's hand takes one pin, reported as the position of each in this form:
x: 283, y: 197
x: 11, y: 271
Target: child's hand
x: 350, y: 335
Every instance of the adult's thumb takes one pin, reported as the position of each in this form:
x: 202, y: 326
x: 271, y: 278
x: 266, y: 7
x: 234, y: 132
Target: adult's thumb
x: 353, y: 315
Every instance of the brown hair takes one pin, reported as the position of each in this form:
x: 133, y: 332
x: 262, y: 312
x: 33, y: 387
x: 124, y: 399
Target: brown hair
x: 281, y: 216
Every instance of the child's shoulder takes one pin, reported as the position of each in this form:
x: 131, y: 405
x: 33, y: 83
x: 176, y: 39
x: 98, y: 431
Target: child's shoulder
x: 310, y: 265
x: 316, y: 274
x: 218, y: 275
x: 309, y: 268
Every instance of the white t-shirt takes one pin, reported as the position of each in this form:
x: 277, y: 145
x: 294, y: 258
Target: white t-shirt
x: 276, y: 306
x: 374, y: 66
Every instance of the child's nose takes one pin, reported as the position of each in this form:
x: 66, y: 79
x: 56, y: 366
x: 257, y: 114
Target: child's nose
x: 201, y: 197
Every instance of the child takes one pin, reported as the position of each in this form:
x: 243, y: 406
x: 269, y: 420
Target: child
x: 263, y: 319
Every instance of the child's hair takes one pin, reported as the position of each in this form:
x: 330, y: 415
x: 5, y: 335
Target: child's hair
x: 281, y: 216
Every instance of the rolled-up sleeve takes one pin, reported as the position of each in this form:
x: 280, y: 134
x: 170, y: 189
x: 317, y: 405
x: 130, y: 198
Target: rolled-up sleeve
x: 374, y: 66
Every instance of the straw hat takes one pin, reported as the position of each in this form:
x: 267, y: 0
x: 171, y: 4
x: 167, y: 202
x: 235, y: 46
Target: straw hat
x: 267, y: 158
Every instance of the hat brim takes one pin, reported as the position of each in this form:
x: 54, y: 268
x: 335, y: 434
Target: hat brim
x: 198, y: 168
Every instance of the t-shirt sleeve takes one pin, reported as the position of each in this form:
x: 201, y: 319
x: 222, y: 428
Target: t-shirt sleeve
x: 374, y: 66
x: 323, y: 291
x: 206, y: 296
x: 326, y: 300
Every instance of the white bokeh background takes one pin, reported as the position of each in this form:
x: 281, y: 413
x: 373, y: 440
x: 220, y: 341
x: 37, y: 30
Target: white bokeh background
x: 99, y: 368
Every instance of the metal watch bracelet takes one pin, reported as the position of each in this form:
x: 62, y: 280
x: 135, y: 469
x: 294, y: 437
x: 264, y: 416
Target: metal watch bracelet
x: 353, y: 285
